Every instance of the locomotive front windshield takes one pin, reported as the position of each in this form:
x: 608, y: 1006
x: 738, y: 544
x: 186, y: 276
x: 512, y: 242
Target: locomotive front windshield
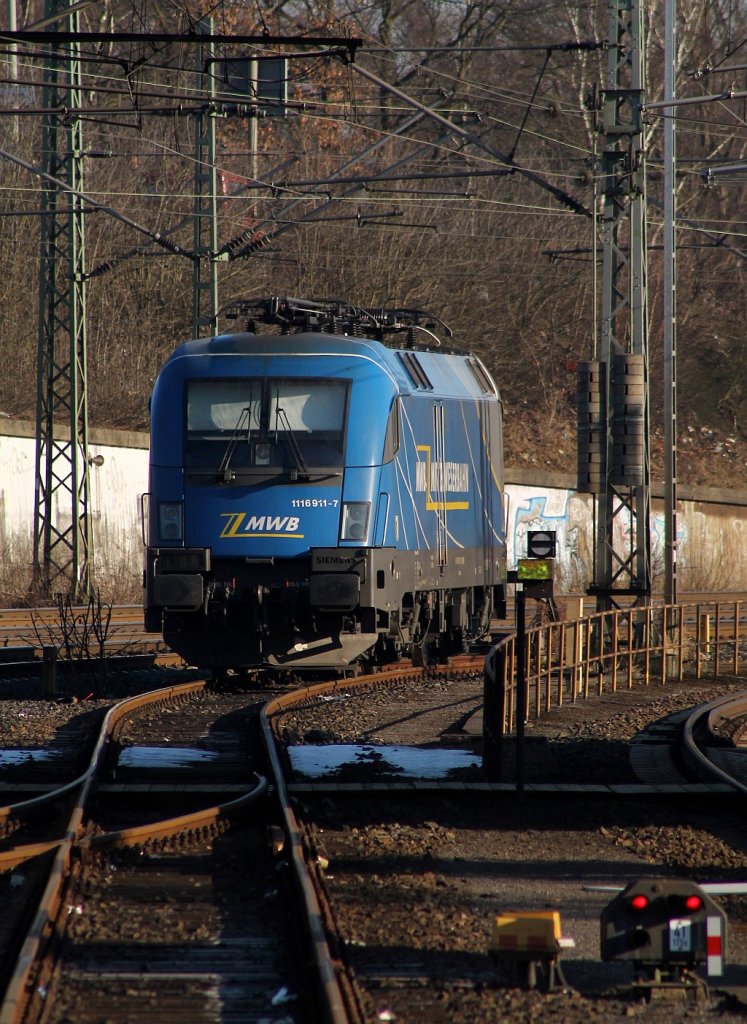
x: 272, y: 424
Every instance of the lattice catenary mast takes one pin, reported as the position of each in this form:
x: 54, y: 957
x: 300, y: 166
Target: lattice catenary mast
x: 613, y: 392
x: 63, y: 549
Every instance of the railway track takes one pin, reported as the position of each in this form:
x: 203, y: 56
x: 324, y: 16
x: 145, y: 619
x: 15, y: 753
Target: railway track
x: 712, y: 747
x: 409, y: 869
x: 29, y: 636
x: 23, y: 624
x: 25, y: 632
x: 174, y: 883
x: 439, y: 857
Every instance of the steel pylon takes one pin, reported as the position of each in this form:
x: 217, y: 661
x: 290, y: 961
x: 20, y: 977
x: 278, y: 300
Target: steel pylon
x: 205, y: 217
x: 622, y: 547
x: 63, y: 547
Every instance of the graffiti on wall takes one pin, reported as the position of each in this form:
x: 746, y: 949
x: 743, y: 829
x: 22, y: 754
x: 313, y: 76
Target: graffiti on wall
x: 565, y: 512
x: 571, y: 516
x: 531, y: 508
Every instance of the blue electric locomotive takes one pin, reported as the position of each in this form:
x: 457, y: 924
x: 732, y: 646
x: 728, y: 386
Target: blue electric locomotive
x: 319, y: 498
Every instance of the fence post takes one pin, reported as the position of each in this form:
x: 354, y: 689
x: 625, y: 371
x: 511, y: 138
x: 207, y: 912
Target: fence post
x: 49, y: 671
x: 561, y: 662
x: 587, y: 657
x: 663, y: 631
x: 521, y: 686
x: 494, y: 712
x: 717, y: 641
x: 681, y: 642
x: 615, y: 648
x: 735, y: 664
x: 673, y: 652
x: 703, y: 646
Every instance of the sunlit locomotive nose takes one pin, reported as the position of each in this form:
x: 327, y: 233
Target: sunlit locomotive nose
x: 326, y: 493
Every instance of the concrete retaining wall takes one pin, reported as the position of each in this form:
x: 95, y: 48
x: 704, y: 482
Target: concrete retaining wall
x: 711, y: 531
x: 711, y: 523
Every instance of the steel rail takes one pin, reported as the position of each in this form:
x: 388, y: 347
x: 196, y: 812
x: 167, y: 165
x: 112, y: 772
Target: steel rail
x: 330, y: 974
x: 167, y: 828
x: 275, y: 709
x: 723, y: 708
x: 18, y: 992
x: 66, y: 849
x: 139, y: 835
x: 324, y: 963
x: 113, y: 716
x: 461, y: 664
x: 24, y: 625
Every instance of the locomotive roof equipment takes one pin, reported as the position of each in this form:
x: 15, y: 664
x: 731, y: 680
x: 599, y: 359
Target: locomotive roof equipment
x: 333, y: 316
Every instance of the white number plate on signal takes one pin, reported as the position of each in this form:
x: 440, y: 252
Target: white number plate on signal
x: 680, y: 939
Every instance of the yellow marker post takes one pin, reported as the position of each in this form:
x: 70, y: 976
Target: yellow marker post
x: 530, y: 939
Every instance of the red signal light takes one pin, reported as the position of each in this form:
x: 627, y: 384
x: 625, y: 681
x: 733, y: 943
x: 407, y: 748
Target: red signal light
x: 693, y: 903
x: 639, y: 902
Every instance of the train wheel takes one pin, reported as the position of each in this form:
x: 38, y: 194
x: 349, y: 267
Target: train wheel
x: 425, y: 653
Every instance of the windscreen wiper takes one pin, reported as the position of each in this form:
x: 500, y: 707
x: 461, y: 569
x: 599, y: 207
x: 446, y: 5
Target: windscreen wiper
x: 224, y: 470
x: 281, y: 415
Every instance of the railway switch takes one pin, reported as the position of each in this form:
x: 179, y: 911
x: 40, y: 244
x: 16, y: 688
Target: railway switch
x: 665, y: 925
x: 531, y: 940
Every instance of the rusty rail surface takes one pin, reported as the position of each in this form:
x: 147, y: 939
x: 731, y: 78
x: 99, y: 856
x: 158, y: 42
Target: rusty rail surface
x: 18, y: 623
x: 21, y: 999
x: 67, y: 849
x: 35, y: 639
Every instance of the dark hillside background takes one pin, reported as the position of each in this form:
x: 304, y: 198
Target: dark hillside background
x: 505, y: 262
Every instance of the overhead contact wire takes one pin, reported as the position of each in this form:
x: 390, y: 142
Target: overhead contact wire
x: 155, y: 236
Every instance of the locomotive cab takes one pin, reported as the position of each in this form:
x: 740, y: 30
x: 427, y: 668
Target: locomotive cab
x: 312, y: 504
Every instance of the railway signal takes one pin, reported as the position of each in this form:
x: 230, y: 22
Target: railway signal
x: 665, y: 927
x: 541, y: 543
x: 536, y: 571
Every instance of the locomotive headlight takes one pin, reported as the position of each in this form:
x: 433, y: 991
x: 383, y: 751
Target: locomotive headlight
x: 355, y: 520
x: 170, y: 522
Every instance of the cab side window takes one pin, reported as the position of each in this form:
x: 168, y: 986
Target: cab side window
x: 391, y: 441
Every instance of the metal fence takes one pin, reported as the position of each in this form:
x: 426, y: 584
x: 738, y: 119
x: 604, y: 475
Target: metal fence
x: 569, y: 661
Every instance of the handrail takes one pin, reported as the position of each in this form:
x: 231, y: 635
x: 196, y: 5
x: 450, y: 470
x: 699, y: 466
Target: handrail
x: 609, y: 650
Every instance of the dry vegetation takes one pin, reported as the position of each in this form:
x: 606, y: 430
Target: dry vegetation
x: 489, y: 253
x: 706, y: 457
